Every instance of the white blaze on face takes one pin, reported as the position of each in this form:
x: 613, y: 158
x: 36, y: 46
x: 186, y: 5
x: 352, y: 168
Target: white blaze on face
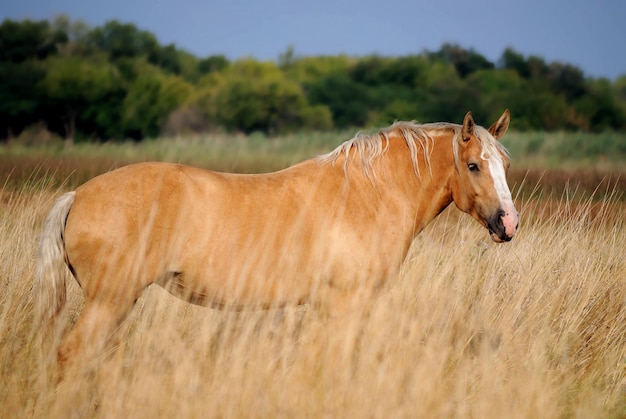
x: 510, y: 218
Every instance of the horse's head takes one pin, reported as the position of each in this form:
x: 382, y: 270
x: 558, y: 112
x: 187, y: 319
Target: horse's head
x: 480, y: 187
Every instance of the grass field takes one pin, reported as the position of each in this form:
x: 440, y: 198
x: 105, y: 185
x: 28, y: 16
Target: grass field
x: 532, y: 328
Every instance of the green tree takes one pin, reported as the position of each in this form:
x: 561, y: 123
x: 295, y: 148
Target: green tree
x: 392, y: 86
x: 150, y: 100
x: 256, y: 96
x: 464, y: 61
x: 599, y: 109
x: 76, y: 34
x: 123, y: 40
x: 492, y: 91
x: 287, y: 58
x: 213, y: 63
x: 538, y: 107
x: 75, y: 87
x: 442, y: 95
x: 566, y: 79
x: 188, y: 66
x: 513, y: 60
x: 307, y: 70
x: 348, y: 100
x: 316, y: 118
x: 20, y: 99
x: 26, y: 40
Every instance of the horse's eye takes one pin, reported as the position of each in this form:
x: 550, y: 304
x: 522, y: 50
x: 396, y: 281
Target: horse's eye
x: 473, y: 167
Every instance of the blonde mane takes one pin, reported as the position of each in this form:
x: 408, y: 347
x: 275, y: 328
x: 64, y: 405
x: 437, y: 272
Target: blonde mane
x: 418, y: 137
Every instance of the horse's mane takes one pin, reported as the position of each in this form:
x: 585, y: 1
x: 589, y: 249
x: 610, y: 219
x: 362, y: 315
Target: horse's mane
x: 419, y: 139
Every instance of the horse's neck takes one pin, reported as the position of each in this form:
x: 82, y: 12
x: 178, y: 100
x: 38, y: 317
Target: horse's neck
x: 427, y: 192
x: 391, y: 186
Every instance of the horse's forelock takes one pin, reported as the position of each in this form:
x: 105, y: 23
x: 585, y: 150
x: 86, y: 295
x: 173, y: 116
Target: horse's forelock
x: 490, y: 146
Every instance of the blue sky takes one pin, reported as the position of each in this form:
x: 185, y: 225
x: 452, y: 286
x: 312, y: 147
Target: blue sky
x: 588, y: 34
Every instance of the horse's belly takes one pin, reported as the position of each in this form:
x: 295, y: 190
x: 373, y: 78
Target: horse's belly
x: 279, y: 270
x: 235, y: 279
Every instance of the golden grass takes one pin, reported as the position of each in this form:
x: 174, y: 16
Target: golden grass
x: 532, y: 328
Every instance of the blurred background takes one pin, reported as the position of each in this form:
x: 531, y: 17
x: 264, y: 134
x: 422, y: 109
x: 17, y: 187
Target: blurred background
x: 92, y: 71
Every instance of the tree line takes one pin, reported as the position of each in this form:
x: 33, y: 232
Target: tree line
x: 117, y: 81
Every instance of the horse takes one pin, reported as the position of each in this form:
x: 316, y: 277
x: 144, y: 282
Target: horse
x: 328, y: 232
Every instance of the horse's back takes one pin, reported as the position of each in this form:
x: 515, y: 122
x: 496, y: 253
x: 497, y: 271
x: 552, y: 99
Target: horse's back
x: 124, y: 200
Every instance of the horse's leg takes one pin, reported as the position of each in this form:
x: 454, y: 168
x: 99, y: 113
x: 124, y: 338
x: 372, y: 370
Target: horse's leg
x: 108, y: 300
x: 94, y: 327
x: 81, y: 353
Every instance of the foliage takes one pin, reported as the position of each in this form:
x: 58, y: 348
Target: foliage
x: 117, y: 81
x: 77, y: 92
x: 256, y: 96
x: 150, y: 100
x: 22, y: 41
x: 21, y: 101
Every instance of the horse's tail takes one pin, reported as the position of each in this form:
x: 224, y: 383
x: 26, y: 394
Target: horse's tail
x: 49, y: 288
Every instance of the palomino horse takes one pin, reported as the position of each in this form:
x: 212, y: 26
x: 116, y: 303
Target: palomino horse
x: 326, y: 231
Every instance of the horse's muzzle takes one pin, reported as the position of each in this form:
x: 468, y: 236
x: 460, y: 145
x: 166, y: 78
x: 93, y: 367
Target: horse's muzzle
x: 503, y: 225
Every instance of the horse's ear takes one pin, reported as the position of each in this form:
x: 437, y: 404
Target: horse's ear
x: 468, y: 127
x: 501, y: 125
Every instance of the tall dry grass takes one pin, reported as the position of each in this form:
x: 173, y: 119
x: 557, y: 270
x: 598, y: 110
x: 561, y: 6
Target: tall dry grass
x: 532, y: 328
